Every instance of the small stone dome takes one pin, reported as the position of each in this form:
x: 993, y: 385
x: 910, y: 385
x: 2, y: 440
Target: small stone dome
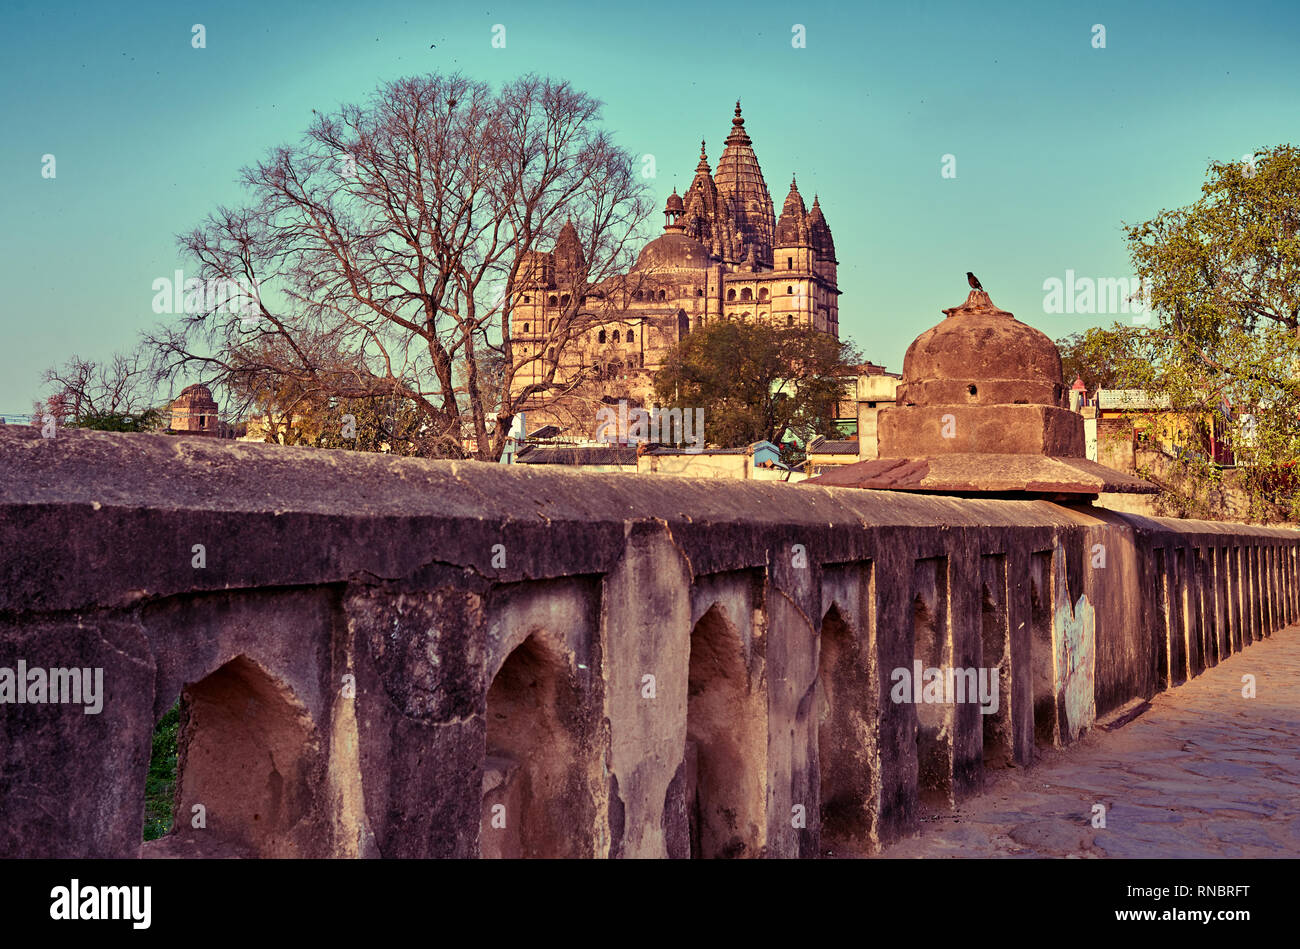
x: 194, y: 394
x: 674, y: 202
x: 981, y: 355
x: 673, y: 251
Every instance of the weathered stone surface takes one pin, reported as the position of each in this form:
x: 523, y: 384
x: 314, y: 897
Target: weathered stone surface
x: 374, y: 654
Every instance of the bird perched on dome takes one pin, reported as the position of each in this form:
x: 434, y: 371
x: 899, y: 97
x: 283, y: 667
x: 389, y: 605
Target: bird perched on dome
x: 974, y: 281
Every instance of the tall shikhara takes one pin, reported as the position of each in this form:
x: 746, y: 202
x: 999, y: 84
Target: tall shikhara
x: 723, y: 255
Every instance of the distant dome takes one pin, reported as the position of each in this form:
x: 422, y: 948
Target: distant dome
x: 981, y: 355
x: 196, y: 393
x: 673, y: 252
x: 674, y: 202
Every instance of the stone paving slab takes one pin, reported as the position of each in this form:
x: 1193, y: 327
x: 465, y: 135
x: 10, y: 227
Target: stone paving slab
x: 1204, y: 772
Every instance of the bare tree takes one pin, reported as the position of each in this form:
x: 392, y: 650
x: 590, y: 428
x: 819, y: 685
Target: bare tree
x: 116, y: 393
x: 379, y: 257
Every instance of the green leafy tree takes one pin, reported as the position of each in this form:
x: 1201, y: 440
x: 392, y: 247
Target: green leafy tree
x: 1102, y: 358
x: 757, y: 382
x: 1223, y: 276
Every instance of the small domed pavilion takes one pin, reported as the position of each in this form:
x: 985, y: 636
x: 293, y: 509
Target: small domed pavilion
x: 982, y: 411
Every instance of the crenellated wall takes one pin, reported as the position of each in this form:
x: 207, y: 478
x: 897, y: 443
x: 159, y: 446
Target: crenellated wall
x: 401, y: 658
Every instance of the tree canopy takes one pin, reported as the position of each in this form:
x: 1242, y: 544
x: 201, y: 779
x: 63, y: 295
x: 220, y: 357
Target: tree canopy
x: 758, y: 382
x: 1224, y: 280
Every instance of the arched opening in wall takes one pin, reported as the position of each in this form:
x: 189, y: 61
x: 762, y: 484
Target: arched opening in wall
x: 1042, y: 650
x: 995, y: 641
x: 535, y: 790
x: 631, y: 336
x: 725, y: 744
x: 248, y: 766
x: 731, y: 296
x: 663, y: 294
x: 552, y: 300
x: 683, y: 325
x: 746, y: 294
x: 762, y: 293
x: 844, y: 738
x: 934, y: 711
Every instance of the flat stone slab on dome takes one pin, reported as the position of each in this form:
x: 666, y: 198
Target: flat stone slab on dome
x: 974, y: 473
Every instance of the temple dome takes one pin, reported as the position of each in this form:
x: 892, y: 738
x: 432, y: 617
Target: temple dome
x: 673, y: 251
x: 739, y: 180
x: 981, y: 355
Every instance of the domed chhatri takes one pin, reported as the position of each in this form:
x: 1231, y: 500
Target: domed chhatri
x: 978, y: 345
x: 981, y: 411
x: 194, y: 411
x: 956, y: 373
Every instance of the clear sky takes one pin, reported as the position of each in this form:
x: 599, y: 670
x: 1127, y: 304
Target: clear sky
x: 1056, y: 143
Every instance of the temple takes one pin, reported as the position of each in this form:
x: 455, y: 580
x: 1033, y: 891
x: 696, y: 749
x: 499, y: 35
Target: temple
x: 723, y: 254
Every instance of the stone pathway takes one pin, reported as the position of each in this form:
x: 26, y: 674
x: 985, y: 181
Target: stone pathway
x: 1203, y: 772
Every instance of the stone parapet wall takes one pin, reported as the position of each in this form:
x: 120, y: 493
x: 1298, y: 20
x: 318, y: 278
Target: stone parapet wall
x: 405, y: 658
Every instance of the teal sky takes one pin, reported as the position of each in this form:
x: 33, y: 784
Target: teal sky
x: 1056, y: 143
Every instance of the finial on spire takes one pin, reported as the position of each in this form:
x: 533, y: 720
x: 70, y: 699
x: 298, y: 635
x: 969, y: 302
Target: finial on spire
x: 794, y: 184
